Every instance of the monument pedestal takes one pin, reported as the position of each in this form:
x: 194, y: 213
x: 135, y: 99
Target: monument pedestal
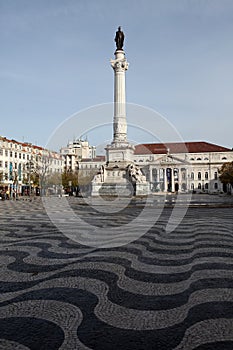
x: 119, y: 152
x: 142, y: 189
x: 120, y: 180
x: 113, y: 181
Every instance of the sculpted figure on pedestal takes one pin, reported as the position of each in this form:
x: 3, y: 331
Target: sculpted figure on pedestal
x: 136, y: 174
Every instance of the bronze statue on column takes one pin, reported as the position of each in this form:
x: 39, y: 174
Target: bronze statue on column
x: 119, y: 39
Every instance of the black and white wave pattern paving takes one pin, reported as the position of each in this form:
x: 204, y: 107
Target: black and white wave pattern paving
x: 163, y: 291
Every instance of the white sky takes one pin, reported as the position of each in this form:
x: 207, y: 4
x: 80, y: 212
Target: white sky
x: 55, y: 57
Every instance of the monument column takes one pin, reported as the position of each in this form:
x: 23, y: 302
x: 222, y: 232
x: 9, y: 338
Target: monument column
x: 120, y: 176
x: 120, y: 150
x: 119, y: 65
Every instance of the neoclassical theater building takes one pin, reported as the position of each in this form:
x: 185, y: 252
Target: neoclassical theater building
x: 177, y: 167
x: 191, y: 166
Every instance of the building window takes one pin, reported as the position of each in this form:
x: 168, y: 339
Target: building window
x: 191, y: 158
x: 215, y: 175
x: 199, y: 158
x: 199, y: 175
x: 199, y: 186
x: 15, y: 154
x: 6, y: 164
x: 192, y: 186
x: 206, y: 186
x: 206, y: 158
x: 224, y: 158
x: 206, y: 175
x: 192, y: 176
x: 23, y: 156
x: 215, y: 185
x: 11, y: 154
x: 11, y: 171
x: 1, y: 152
x: 176, y: 171
x: 6, y: 152
x: 0, y: 164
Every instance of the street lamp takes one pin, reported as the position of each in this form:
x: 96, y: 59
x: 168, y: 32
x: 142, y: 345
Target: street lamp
x: 29, y: 165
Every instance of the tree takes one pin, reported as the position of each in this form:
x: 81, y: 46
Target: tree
x: 69, y: 179
x: 84, y: 178
x: 226, y: 174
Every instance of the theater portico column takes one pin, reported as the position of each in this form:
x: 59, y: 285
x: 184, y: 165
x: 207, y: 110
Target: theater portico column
x: 165, y: 179
x: 172, y: 180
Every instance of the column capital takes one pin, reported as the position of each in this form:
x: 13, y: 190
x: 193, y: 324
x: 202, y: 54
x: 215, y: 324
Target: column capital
x: 119, y: 64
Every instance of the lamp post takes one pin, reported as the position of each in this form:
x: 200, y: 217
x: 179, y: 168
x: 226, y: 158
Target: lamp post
x: 15, y: 185
x: 29, y: 165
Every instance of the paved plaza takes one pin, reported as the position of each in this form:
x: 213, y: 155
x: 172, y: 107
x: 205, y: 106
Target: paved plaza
x: 164, y: 290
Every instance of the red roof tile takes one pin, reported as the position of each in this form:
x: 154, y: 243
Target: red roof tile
x: 179, y: 147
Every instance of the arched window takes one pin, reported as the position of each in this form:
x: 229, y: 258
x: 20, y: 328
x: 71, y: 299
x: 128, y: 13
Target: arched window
x: 215, y: 185
x: 175, y: 172
x: 199, y: 175
x: 199, y: 158
x: 191, y: 158
x: 199, y: 186
x: 206, y: 186
x: 224, y: 158
x: 192, y: 176
x: 206, y: 175
x: 216, y: 175
x: 192, y: 186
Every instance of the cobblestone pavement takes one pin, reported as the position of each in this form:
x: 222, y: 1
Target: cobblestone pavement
x: 162, y: 291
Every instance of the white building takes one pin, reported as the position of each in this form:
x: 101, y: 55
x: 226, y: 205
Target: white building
x: 188, y: 166
x: 21, y: 161
x: 74, y: 152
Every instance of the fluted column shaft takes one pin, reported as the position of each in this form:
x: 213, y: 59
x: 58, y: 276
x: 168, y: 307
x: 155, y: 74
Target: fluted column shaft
x: 119, y: 65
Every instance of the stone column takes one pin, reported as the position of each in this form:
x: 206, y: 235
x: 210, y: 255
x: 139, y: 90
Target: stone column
x: 165, y: 180
x: 119, y: 65
x: 151, y: 175
x: 180, y: 179
x: 172, y: 180
x: 158, y: 179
